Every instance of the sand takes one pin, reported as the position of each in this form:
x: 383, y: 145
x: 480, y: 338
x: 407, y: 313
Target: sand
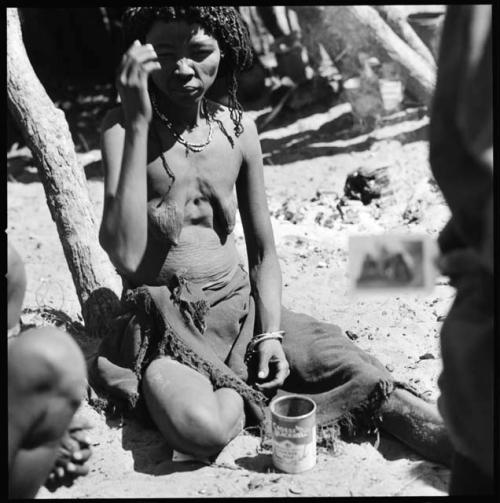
x: 305, y: 173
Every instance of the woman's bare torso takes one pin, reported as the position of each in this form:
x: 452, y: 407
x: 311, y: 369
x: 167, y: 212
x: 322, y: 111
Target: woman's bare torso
x: 190, y: 226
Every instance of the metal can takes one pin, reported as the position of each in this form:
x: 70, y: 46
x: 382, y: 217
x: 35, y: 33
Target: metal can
x: 293, y: 433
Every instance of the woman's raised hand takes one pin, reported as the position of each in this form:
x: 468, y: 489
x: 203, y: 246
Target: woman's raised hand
x: 132, y: 82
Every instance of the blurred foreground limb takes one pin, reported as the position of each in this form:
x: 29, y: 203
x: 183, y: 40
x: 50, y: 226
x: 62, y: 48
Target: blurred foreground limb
x: 47, y: 134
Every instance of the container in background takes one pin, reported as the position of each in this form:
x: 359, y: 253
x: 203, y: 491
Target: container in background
x: 392, y: 94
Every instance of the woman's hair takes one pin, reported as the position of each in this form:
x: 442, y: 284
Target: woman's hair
x: 222, y: 22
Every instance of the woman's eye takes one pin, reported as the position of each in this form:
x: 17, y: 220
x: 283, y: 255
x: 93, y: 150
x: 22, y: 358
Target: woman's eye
x: 202, y: 53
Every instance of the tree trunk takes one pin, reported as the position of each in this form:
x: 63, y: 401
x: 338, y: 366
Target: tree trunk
x: 47, y: 134
x: 347, y: 30
x: 396, y: 18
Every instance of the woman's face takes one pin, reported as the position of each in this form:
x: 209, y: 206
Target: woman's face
x: 189, y: 60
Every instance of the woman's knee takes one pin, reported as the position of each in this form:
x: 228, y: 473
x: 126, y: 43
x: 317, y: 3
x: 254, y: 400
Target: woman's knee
x: 204, y: 427
x: 192, y: 428
x: 185, y: 409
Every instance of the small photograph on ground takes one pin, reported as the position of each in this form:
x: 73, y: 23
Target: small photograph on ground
x: 390, y: 261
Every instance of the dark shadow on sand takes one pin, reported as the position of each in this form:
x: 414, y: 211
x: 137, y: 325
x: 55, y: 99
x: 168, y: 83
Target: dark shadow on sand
x: 287, y: 116
x: 94, y: 171
x: 260, y: 463
x: 310, y: 144
x: 22, y: 169
x: 151, y: 453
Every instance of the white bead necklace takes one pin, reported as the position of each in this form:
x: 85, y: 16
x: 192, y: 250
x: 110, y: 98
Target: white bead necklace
x: 194, y: 147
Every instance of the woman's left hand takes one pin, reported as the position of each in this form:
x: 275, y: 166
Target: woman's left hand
x: 272, y: 364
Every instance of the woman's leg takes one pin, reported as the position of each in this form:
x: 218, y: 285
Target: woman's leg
x: 323, y: 360
x: 418, y: 424
x: 192, y: 417
x: 46, y: 382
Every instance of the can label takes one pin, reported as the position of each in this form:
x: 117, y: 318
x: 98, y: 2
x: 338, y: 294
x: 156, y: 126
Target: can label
x: 295, y: 452
x: 294, y: 433
x: 297, y: 434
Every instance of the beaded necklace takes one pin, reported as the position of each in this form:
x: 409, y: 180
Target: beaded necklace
x: 193, y: 147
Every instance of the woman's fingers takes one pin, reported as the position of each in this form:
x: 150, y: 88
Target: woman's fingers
x: 151, y: 66
x: 283, y: 371
x: 137, y: 61
x: 139, y: 55
x: 135, y: 74
x: 273, y: 365
x: 137, y: 48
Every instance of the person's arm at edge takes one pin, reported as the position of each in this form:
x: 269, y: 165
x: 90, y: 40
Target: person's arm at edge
x: 264, y: 268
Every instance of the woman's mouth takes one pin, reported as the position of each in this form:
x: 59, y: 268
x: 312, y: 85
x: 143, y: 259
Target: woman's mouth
x: 187, y: 90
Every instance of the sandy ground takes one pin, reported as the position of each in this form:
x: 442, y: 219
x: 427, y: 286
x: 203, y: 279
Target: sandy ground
x: 305, y: 173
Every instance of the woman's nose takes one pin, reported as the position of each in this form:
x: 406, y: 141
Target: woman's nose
x: 184, y: 67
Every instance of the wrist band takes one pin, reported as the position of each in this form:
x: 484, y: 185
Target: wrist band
x: 277, y: 333
x: 257, y: 339
x: 265, y: 337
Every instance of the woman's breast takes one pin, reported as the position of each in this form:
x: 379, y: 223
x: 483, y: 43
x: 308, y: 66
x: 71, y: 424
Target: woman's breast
x: 192, y: 228
x: 168, y: 217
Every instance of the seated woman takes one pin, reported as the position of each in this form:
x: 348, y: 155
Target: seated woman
x: 200, y: 342
x: 46, y: 383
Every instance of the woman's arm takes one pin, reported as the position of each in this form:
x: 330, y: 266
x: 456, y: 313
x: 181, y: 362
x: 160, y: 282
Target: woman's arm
x: 123, y: 232
x: 264, y: 269
x: 124, y: 137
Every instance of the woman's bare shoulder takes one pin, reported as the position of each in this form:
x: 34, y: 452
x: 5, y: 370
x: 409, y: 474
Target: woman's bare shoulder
x: 249, y: 125
x: 249, y: 137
